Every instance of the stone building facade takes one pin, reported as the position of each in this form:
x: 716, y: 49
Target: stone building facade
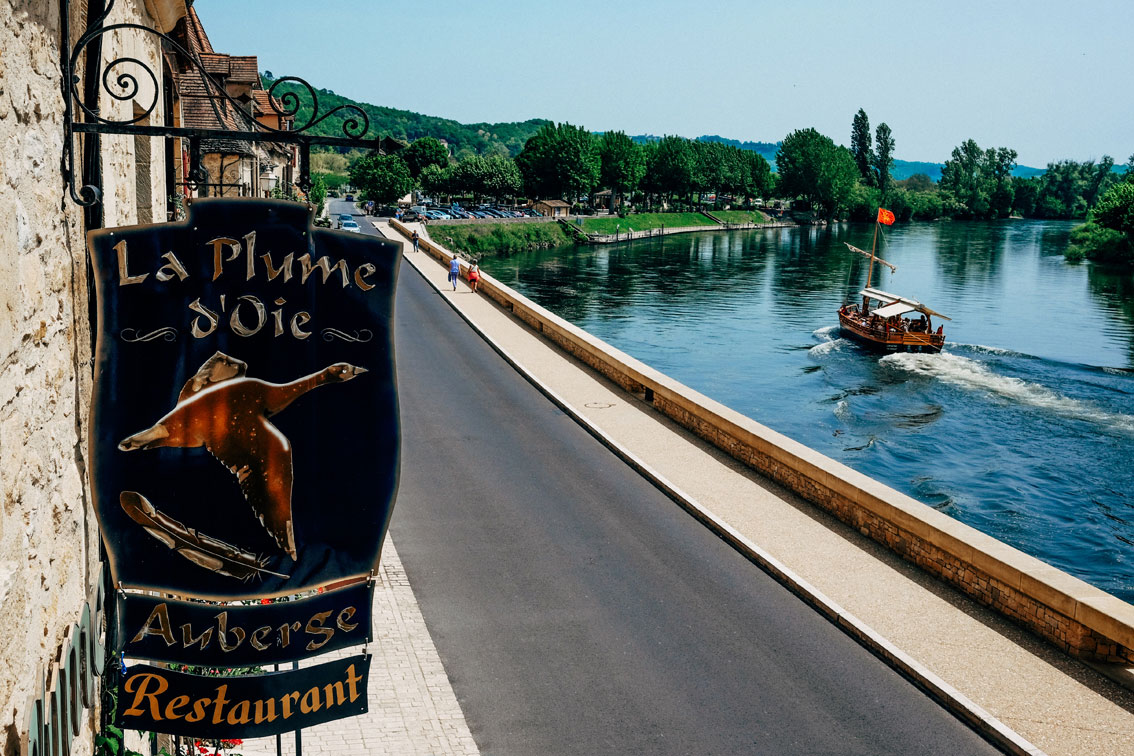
x: 49, y: 537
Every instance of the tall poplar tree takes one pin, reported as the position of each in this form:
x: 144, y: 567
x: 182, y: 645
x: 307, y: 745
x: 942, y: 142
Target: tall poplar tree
x: 860, y: 145
x: 883, y: 158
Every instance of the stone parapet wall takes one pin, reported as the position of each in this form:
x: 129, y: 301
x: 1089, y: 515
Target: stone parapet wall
x: 49, y: 541
x: 1078, y: 618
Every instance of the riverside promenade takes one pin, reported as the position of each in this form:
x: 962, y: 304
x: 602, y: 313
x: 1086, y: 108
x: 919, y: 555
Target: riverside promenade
x: 1021, y: 692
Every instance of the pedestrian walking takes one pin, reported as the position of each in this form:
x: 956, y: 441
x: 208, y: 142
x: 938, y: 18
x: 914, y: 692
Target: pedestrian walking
x: 474, y: 275
x: 454, y: 271
x: 416, y: 239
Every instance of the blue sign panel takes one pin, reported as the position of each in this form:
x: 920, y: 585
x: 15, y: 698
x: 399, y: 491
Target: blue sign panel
x: 245, y: 432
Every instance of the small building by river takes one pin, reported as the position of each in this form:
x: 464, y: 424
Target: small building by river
x: 552, y: 208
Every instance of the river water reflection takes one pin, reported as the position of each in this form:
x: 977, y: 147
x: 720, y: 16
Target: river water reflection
x: 1023, y: 427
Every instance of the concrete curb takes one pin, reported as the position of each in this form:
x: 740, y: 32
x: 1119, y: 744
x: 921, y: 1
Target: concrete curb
x: 989, y: 727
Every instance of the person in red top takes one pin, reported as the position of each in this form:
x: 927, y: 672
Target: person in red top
x: 474, y: 275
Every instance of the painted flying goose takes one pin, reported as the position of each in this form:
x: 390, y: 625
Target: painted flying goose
x: 227, y: 413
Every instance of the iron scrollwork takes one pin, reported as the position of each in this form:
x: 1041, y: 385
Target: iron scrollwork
x: 122, y: 77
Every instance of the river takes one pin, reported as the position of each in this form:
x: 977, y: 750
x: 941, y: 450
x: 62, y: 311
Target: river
x: 1023, y: 427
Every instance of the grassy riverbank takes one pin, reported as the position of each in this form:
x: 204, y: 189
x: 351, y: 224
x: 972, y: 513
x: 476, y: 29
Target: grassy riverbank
x: 741, y: 216
x: 500, y: 239
x: 609, y: 224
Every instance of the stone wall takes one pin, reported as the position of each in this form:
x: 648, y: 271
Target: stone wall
x: 48, y: 532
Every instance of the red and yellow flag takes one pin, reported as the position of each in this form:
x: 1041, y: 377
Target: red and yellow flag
x: 885, y: 217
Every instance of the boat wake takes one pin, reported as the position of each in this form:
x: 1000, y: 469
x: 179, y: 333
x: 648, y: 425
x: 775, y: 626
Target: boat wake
x: 977, y: 376
x: 982, y: 349
x: 829, y: 341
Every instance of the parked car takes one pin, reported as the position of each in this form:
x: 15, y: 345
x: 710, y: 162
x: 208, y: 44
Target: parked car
x: 349, y: 198
x: 411, y: 216
x: 437, y: 215
x: 351, y: 226
x: 389, y: 211
x: 344, y: 218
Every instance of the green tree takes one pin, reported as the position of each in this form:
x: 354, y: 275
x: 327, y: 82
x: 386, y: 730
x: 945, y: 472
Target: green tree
x: 1109, y: 233
x: 860, y: 146
x: 919, y: 182
x: 757, y: 175
x: 1099, y: 180
x: 382, y: 178
x: 1025, y: 196
x: 436, y: 180
x: 469, y: 176
x: 961, y: 179
x: 561, y: 160
x: 979, y: 182
x: 423, y: 152
x: 501, y: 178
x: 671, y: 167
x: 812, y: 166
x: 999, y: 164
x: 621, y: 163
x: 883, y: 158
x: 318, y: 194
x: 1115, y: 209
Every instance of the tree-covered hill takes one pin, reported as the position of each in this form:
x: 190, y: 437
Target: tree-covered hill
x: 463, y: 139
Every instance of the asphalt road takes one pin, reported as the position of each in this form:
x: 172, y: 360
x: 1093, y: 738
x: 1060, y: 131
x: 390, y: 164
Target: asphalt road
x: 577, y: 610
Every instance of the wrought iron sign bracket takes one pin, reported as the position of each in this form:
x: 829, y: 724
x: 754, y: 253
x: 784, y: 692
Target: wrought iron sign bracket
x: 121, y: 78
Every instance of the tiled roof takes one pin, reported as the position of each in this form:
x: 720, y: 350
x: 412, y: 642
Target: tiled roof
x: 244, y: 68
x: 197, y: 42
x: 197, y: 101
x: 264, y: 101
x: 215, y: 63
x: 553, y: 203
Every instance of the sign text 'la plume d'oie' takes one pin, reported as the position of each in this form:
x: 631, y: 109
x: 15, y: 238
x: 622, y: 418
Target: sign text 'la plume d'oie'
x: 244, y: 446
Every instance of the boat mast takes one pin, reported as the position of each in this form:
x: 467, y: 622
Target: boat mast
x: 870, y: 270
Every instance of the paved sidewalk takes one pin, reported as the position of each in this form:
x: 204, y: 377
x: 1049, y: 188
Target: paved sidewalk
x: 1059, y: 705
x: 412, y: 708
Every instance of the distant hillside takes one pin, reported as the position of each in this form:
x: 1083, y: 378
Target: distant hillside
x: 480, y: 138
x: 509, y: 138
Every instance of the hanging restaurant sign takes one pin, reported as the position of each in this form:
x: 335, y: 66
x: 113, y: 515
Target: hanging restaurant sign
x: 245, y: 433
x: 252, y: 706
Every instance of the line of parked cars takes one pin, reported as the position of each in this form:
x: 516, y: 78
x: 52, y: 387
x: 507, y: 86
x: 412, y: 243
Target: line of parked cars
x: 484, y: 211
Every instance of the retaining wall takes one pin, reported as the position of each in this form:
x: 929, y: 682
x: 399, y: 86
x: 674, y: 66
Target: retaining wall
x: 1080, y: 619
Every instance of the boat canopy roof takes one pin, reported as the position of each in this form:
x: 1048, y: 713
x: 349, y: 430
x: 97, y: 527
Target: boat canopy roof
x: 892, y: 304
x: 898, y: 308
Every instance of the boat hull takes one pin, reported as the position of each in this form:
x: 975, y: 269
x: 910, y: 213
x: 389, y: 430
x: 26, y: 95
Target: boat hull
x: 889, y: 340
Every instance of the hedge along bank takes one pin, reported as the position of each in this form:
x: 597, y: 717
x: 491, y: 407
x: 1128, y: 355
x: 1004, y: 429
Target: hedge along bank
x: 1078, y: 618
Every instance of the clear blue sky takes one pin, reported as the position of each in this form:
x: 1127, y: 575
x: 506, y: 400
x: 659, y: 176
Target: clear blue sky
x: 1051, y: 80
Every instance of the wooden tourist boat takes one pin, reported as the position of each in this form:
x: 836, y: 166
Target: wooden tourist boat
x: 883, y: 320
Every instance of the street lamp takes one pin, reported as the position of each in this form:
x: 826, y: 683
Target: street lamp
x: 268, y: 175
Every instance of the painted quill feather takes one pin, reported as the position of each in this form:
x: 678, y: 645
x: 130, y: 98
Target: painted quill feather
x: 200, y: 549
